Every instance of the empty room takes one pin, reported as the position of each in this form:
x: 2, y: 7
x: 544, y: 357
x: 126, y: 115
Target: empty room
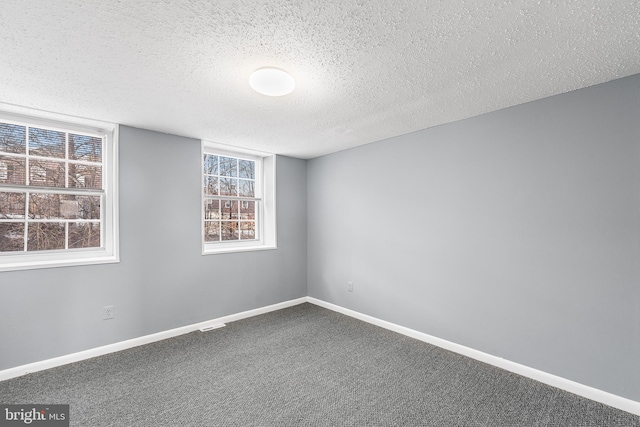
x: 319, y: 213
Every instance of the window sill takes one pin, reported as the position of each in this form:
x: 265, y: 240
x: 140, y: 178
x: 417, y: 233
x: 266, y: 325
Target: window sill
x: 15, y: 265
x: 226, y: 249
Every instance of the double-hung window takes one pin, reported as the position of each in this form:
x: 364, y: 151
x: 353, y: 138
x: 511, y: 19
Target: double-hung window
x: 238, y: 195
x: 57, y: 192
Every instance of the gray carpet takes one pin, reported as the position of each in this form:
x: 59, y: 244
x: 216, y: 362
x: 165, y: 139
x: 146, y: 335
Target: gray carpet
x: 301, y: 366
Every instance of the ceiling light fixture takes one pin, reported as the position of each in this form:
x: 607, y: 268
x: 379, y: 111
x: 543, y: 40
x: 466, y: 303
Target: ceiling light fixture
x: 272, y: 81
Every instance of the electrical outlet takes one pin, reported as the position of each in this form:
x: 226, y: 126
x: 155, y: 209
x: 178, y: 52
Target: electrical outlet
x: 350, y: 286
x: 109, y: 312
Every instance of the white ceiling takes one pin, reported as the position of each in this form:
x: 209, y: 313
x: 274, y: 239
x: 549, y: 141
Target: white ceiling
x: 365, y: 70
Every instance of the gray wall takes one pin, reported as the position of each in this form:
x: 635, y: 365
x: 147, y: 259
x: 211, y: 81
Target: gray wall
x: 162, y: 281
x: 514, y: 233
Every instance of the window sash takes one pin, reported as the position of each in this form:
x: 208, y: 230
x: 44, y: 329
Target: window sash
x: 66, y: 159
x: 239, y: 199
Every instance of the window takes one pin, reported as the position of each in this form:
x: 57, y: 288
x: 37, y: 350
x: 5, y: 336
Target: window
x: 238, y: 194
x: 57, y: 192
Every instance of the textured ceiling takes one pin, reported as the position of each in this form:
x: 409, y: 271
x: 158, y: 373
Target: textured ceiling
x: 365, y: 70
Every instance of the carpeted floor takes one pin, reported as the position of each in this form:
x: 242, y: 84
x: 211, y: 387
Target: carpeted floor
x: 301, y: 366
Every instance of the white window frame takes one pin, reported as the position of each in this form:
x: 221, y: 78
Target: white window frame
x: 266, y: 233
x: 109, y: 223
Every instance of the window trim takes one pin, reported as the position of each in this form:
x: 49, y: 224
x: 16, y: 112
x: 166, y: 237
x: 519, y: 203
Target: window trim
x: 109, y: 253
x: 266, y: 179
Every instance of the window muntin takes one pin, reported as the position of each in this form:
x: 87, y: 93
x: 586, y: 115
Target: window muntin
x: 57, y: 193
x: 238, y: 200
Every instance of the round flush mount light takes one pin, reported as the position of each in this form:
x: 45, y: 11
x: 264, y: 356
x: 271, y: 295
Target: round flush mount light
x: 272, y: 81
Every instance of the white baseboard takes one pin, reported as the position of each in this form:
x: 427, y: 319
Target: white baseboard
x: 147, y: 339
x: 595, y: 394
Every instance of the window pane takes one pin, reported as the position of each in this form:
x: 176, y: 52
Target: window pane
x: 228, y: 166
x: 229, y: 209
x: 211, y: 185
x: 84, y: 235
x: 247, y: 230
x: 210, y: 164
x: 246, y: 188
x: 247, y: 209
x: 11, y: 205
x: 228, y: 187
x: 229, y: 230
x: 83, y: 176
x: 80, y: 207
x: 44, y: 206
x: 247, y: 169
x: 12, y: 138
x: 86, y: 148
x: 45, y: 236
x: 12, y: 170
x: 47, y: 143
x: 46, y: 174
x: 89, y: 207
x: 212, y: 209
x: 69, y: 207
x: 11, y: 237
x: 211, y: 231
